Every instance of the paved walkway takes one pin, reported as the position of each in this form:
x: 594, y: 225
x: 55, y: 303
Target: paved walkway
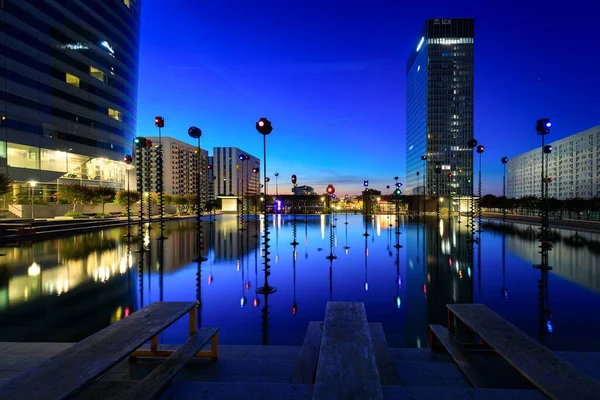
x: 265, y: 372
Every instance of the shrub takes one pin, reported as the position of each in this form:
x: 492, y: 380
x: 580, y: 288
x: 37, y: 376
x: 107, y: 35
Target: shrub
x: 73, y: 214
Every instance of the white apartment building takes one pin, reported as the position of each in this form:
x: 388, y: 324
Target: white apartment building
x: 179, y: 168
x: 234, y: 177
x: 574, y: 165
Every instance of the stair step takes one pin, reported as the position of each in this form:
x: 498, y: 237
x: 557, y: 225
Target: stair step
x: 449, y: 393
x: 229, y: 390
x: 383, y: 356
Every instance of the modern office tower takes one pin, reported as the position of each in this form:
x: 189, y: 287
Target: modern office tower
x: 180, y: 168
x: 68, y: 77
x: 439, y: 108
x: 574, y: 166
x: 235, y: 177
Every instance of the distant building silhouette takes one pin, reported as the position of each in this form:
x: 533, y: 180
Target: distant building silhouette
x: 573, y: 165
x: 303, y: 190
x: 439, y: 108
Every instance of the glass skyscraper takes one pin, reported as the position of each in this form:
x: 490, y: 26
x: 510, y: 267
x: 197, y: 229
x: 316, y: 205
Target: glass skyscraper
x: 439, y: 108
x: 68, y: 84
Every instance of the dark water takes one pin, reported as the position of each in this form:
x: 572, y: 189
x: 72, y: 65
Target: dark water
x: 68, y: 288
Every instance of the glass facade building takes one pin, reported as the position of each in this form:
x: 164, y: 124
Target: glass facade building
x: 68, y: 84
x: 439, y: 108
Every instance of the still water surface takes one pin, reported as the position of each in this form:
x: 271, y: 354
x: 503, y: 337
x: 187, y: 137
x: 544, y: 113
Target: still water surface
x: 68, y: 288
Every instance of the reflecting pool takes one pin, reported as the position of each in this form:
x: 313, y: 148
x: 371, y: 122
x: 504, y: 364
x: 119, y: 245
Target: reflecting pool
x: 64, y: 289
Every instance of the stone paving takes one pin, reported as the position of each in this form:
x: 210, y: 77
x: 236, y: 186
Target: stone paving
x: 265, y: 372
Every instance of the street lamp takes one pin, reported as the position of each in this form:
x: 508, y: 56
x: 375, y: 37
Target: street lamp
x: 32, y: 186
x: 264, y: 127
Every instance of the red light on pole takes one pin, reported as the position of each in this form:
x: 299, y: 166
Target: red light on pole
x: 330, y: 189
x: 159, y: 122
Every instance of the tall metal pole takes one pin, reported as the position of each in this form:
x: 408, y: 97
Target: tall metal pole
x: 160, y: 123
x: 264, y: 128
x: 196, y: 133
x: 128, y: 160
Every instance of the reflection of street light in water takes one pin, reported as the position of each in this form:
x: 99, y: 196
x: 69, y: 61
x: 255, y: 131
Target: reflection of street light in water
x: 294, y: 304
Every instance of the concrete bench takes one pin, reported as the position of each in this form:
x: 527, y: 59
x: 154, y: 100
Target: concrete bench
x: 554, y: 376
x: 73, y: 372
x: 346, y: 367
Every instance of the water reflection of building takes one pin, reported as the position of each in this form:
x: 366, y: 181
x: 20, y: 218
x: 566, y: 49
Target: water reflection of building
x: 574, y: 255
x: 228, y: 240
x: 449, y: 275
x: 64, y: 289
x: 416, y: 288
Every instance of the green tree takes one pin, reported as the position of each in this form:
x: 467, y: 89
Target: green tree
x: 103, y: 195
x: 75, y: 194
x: 121, y: 197
x: 180, y: 203
x: 5, y: 183
x: 191, y: 202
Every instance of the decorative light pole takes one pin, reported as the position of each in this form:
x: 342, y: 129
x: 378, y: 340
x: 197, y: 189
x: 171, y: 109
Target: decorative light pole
x: 141, y: 143
x: 397, y: 193
x: 276, y: 185
x: 264, y: 127
x: 242, y: 158
x: 247, y: 158
x: 159, y: 122
x: 438, y: 170
x: 256, y: 170
x: 504, y: 161
x: 294, y: 226
x: 330, y: 191
x: 542, y: 129
x: 480, y: 150
x: 196, y: 133
x: 471, y: 224
x: 504, y: 291
x: 424, y: 159
x: 128, y: 160
x: 366, y: 194
x: 32, y: 187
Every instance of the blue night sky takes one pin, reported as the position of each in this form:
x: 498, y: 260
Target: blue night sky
x: 330, y: 75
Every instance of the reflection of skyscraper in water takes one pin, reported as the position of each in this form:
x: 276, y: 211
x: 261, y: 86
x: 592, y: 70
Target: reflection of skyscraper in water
x: 449, y: 274
x: 227, y: 241
x: 415, y: 287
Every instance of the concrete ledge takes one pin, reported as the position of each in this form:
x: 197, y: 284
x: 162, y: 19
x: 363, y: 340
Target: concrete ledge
x: 346, y: 367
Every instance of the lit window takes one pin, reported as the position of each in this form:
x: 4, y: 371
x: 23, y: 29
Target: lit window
x: 127, y: 3
x: 96, y: 73
x: 72, y: 80
x: 114, y: 114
